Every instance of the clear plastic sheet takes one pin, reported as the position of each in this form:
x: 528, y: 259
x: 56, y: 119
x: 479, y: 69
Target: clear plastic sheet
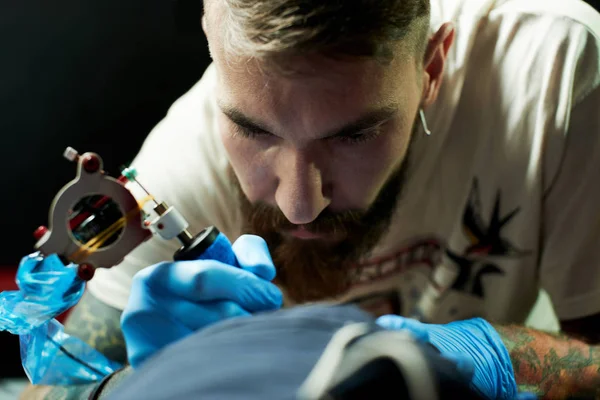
x: 52, y: 357
x: 47, y: 288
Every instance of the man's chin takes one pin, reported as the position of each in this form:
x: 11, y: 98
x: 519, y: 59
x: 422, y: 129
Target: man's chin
x: 310, y: 269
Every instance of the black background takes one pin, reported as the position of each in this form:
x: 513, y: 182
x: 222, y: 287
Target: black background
x: 96, y: 75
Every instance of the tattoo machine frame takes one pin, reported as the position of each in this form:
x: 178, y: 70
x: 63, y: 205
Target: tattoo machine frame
x: 106, y: 244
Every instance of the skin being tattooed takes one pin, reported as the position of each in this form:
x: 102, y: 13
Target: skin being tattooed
x: 553, y: 366
x: 98, y: 325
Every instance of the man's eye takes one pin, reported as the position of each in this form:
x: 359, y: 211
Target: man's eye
x: 360, y: 137
x: 248, y: 132
x: 354, y: 138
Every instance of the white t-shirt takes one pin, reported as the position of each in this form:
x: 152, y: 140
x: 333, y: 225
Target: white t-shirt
x: 504, y: 197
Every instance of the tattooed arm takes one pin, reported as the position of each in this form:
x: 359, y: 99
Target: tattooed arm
x: 99, y: 326
x: 565, y: 366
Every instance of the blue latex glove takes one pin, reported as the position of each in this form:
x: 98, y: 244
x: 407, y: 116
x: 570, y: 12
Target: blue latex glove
x: 474, y: 345
x: 171, y: 300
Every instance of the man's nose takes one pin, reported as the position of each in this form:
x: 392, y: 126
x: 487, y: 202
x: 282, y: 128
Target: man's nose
x: 300, y: 192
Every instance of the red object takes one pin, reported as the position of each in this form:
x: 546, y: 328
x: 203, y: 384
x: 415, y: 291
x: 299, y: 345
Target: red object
x: 91, y: 163
x: 40, y: 232
x: 85, y: 272
x: 7, y: 278
x: 75, y: 222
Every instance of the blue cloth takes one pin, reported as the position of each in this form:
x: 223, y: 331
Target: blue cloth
x: 264, y: 357
x: 267, y: 356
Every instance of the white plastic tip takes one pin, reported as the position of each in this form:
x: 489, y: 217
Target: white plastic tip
x: 71, y: 154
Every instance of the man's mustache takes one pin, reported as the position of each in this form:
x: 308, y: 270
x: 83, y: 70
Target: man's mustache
x: 266, y: 218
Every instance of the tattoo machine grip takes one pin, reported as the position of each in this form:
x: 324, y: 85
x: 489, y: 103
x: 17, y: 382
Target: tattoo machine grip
x: 209, y: 244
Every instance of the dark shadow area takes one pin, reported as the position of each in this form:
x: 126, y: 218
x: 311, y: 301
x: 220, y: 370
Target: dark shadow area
x: 95, y: 75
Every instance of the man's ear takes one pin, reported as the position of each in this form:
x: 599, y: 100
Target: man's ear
x: 205, y: 29
x: 204, y: 23
x: 435, y: 61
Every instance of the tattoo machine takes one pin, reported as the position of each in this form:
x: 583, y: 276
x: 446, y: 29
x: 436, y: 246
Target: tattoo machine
x: 94, y: 222
x: 108, y: 222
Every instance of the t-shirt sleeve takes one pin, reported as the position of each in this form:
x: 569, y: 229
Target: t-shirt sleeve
x: 183, y: 163
x: 570, y: 232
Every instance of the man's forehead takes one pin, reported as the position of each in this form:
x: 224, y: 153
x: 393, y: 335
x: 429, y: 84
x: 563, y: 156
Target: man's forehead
x: 350, y: 98
x: 316, y: 77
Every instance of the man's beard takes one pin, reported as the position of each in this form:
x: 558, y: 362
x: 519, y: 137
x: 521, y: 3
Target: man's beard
x: 312, y: 270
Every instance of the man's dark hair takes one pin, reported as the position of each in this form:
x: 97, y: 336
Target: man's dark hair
x: 336, y: 28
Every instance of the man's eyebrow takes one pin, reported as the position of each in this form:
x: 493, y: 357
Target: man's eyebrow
x: 368, y: 120
x: 365, y: 122
x: 239, y: 118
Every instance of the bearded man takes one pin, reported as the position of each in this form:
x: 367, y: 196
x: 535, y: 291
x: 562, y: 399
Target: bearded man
x: 435, y: 160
